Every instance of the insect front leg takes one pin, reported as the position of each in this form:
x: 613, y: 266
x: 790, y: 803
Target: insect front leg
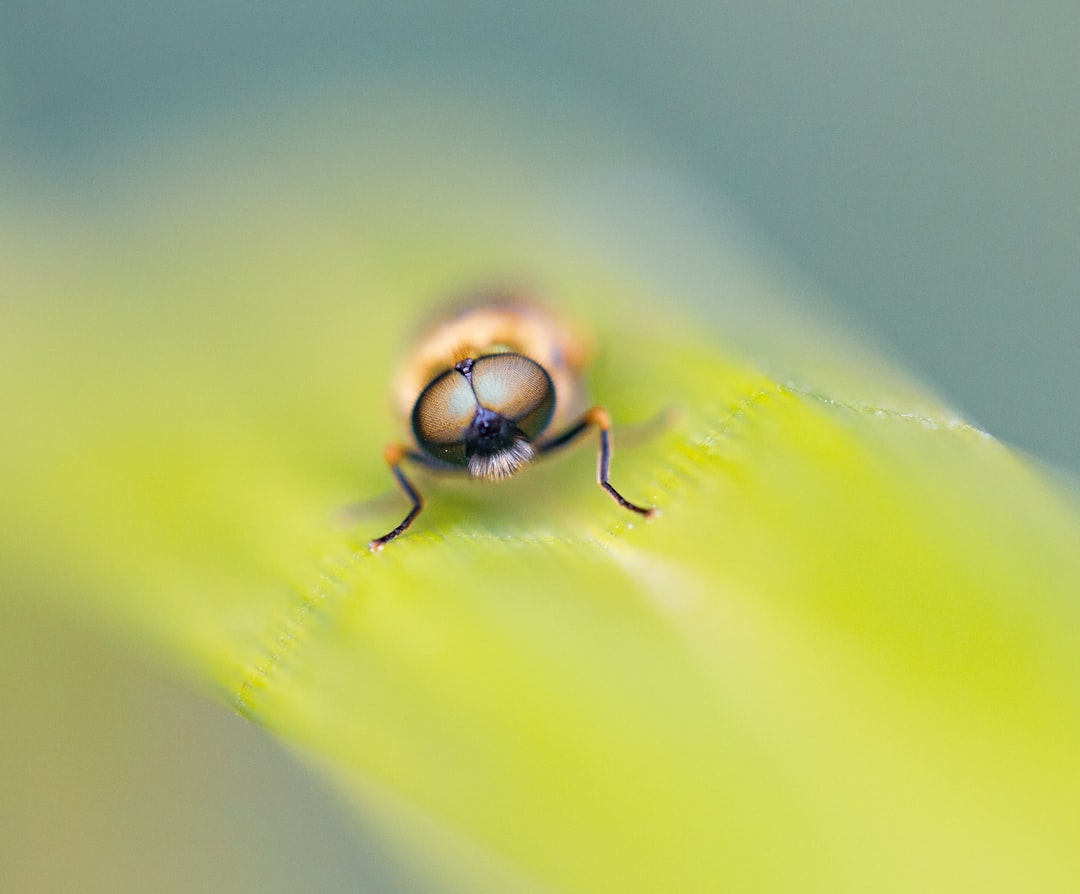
x: 599, y: 417
x: 395, y: 454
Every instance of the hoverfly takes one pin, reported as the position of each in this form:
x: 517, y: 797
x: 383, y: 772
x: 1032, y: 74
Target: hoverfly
x: 481, y: 391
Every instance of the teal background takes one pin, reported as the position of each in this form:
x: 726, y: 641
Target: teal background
x: 917, y: 162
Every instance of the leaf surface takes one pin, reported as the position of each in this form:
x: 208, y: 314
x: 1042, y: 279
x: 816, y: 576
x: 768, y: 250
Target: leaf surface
x: 843, y: 658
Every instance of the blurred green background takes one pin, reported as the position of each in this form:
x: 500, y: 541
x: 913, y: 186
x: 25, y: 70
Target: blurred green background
x: 917, y: 163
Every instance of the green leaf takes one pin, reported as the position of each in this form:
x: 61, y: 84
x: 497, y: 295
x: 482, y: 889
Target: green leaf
x: 843, y: 659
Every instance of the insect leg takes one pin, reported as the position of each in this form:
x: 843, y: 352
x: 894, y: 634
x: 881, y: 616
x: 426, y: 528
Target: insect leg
x: 394, y: 454
x: 599, y: 417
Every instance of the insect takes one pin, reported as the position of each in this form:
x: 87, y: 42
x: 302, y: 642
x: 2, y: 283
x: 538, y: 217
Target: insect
x: 483, y: 387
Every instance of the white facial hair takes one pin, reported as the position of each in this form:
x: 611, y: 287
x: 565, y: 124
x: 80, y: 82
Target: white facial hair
x: 494, y: 466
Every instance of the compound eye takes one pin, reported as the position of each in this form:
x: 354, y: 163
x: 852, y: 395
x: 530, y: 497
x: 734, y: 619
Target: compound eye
x: 517, y: 388
x: 443, y: 414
